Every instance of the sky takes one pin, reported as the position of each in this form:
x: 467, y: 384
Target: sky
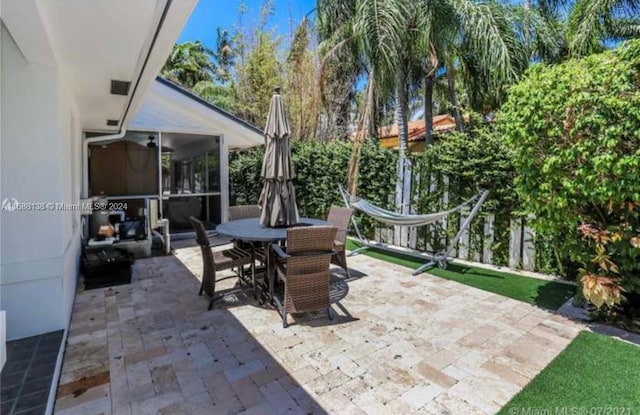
x: 209, y: 14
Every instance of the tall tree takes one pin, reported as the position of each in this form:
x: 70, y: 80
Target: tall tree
x: 218, y: 94
x: 478, y: 38
x: 257, y: 69
x: 402, y: 40
x: 189, y: 63
x: 581, y: 27
x: 377, y: 31
x: 340, y: 67
x: 223, y: 55
x: 263, y: 74
x: 219, y: 90
x: 301, y: 86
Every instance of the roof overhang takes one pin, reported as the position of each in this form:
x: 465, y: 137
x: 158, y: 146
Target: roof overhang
x: 95, y: 42
x: 169, y: 108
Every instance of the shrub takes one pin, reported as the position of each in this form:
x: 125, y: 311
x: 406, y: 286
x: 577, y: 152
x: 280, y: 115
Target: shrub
x: 245, y: 183
x: 376, y: 181
x: 320, y: 167
x: 575, y: 133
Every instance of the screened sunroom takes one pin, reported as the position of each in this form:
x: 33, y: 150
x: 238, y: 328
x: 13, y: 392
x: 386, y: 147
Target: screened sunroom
x: 172, y: 162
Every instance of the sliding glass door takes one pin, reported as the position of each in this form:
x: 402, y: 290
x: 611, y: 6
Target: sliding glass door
x: 191, y: 183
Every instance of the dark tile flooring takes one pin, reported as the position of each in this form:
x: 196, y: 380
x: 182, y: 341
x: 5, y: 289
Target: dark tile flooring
x: 27, y: 374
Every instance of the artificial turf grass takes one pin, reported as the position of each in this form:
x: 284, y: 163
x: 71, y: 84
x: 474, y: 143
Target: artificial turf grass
x: 593, y: 372
x: 547, y: 294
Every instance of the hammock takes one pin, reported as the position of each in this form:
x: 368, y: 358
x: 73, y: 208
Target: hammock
x: 394, y: 218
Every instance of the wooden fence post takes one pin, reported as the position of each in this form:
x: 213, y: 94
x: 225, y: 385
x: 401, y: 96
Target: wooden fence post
x: 515, y: 243
x: 529, y: 246
x: 487, y: 243
x: 413, y: 231
x: 445, y: 206
x: 463, y: 244
x: 398, y: 199
x: 406, y: 200
x: 431, y: 231
x: 475, y: 249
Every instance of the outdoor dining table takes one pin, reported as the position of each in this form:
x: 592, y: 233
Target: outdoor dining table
x: 250, y: 230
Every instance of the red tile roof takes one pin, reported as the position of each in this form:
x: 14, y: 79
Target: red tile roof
x: 416, y: 128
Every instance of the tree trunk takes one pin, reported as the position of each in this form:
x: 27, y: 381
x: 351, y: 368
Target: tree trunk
x: 362, y: 132
x: 401, y: 121
x: 428, y: 109
x: 354, y: 167
x: 403, y: 185
x: 343, y: 120
x: 453, y: 96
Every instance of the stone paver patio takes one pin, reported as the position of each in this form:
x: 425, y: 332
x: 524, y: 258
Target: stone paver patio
x: 399, y: 344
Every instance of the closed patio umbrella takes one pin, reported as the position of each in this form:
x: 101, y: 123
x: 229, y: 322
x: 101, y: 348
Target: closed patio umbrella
x: 278, y: 198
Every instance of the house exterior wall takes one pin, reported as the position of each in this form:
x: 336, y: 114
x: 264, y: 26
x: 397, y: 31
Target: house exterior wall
x: 40, y: 163
x: 391, y: 143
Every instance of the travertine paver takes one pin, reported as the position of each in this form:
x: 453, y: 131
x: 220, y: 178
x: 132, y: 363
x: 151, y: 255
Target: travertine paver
x: 399, y: 344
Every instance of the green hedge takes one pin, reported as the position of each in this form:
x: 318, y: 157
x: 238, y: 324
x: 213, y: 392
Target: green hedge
x: 319, y: 168
x: 472, y: 161
x: 245, y: 183
x: 574, y: 130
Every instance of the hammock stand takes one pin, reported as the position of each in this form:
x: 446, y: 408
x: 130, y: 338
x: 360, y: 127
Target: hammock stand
x: 393, y: 218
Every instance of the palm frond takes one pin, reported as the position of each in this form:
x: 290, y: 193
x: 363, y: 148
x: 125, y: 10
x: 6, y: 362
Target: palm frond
x: 589, y: 20
x: 623, y: 29
x: 379, y: 28
x: 483, y: 26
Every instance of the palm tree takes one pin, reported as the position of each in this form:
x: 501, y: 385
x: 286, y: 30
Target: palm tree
x: 224, y: 56
x: 400, y: 41
x: 592, y: 23
x: 526, y: 36
x: 485, y: 41
x: 374, y: 32
x: 341, y: 66
x: 189, y: 63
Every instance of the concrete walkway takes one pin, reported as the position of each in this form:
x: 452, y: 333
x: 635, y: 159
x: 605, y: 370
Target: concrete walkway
x: 399, y: 344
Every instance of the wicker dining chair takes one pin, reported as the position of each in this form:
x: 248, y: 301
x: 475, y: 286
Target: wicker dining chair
x: 304, y: 268
x: 243, y: 212
x: 219, y: 261
x: 340, y: 217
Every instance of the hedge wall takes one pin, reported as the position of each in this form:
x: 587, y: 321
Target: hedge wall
x: 320, y: 168
x: 471, y: 161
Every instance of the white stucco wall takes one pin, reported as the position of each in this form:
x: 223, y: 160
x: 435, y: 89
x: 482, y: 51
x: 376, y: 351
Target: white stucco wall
x: 40, y: 162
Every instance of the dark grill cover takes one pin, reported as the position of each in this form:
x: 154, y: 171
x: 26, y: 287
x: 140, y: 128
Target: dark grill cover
x: 106, y: 267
